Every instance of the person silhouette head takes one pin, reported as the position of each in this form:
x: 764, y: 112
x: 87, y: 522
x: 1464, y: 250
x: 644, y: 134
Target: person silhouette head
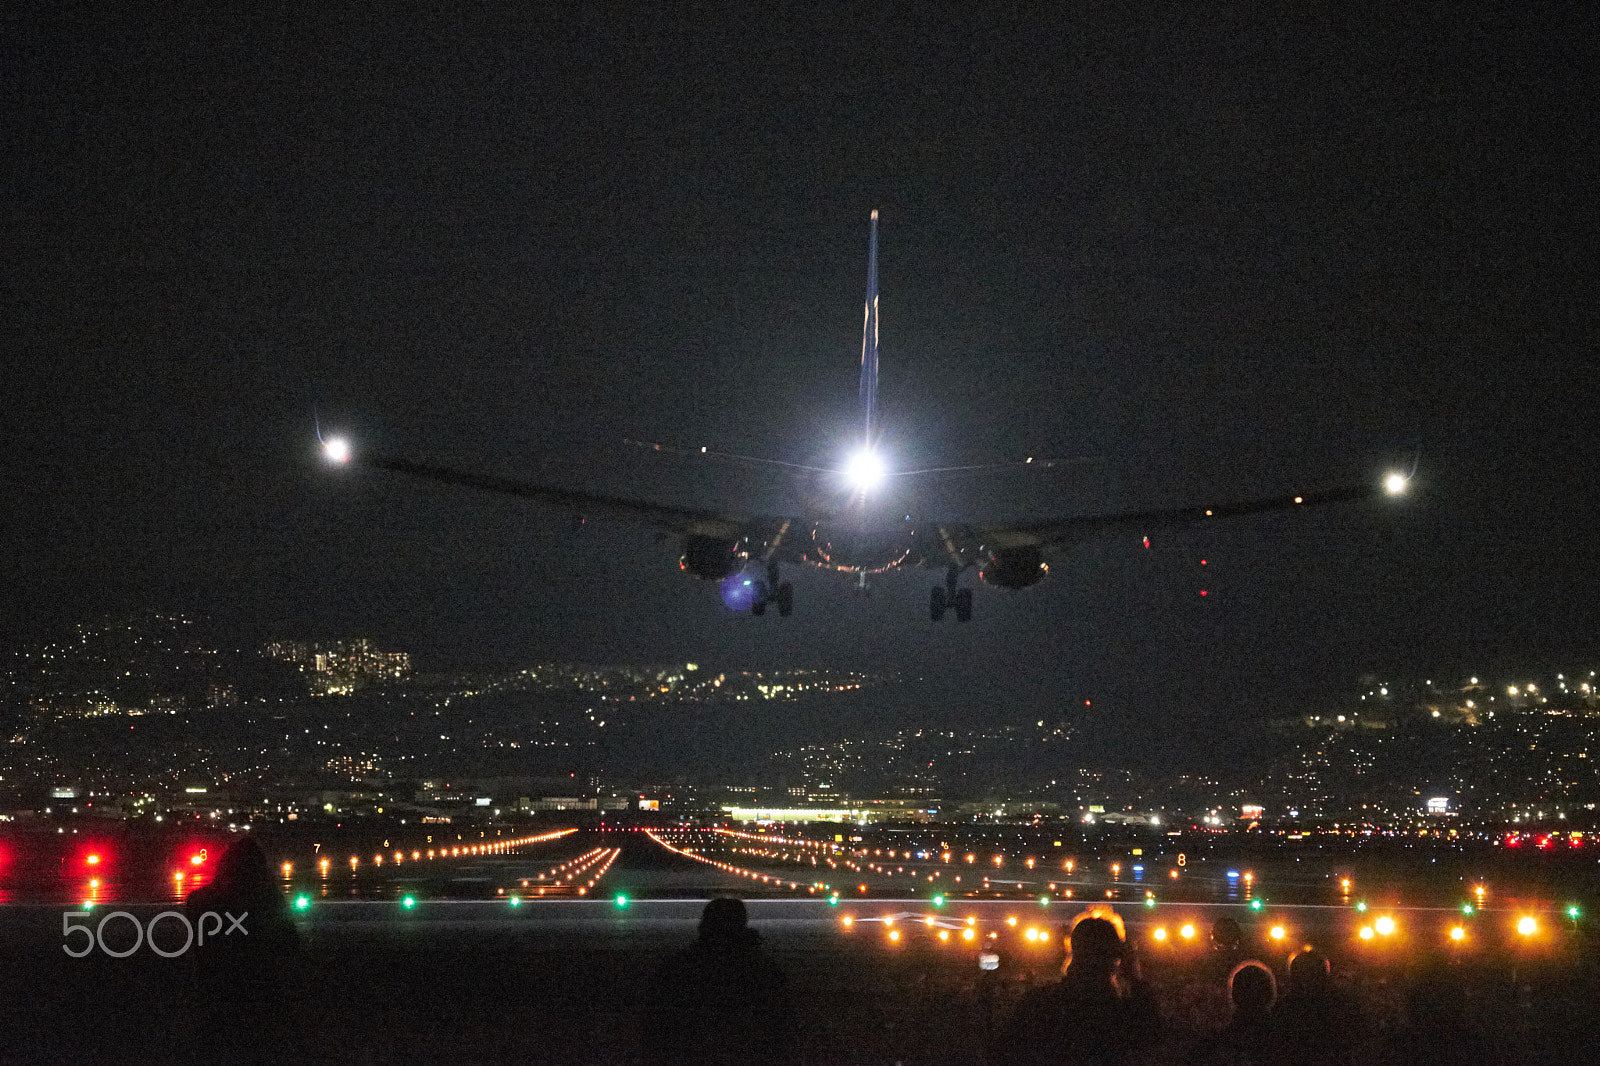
x: 725, y: 923
x: 1096, y: 948
x: 1226, y: 934
x: 1251, y: 990
x: 1309, y: 973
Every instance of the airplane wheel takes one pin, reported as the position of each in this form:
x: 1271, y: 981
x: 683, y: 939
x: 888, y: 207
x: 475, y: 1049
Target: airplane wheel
x: 936, y: 604
x: 964, y: 605
x: 785, y: 600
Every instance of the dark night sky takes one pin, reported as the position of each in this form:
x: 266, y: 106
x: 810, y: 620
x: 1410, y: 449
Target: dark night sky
x: 1222, y: 253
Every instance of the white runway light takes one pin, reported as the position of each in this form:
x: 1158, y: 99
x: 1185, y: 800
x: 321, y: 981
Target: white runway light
x: 337, y: 449
x: 866, y: 470
x: 1395, y: 484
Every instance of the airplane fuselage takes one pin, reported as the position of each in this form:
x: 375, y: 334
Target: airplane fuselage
x: 861, y: 547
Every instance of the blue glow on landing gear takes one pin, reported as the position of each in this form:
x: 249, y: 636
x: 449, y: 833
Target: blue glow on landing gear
x: 740, y: 591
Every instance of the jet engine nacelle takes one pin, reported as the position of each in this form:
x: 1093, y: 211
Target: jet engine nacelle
x: 712, y: 558
x: 1014, y: 568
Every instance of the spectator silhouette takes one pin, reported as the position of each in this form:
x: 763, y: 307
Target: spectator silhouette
x: 1314, y: 1024
x: 1251, y: 991
x: 1440, y: 1026
x: 1211, y: 1009
x: 720, y: 1001
x: 1088, y: 1016
x: 247, y: 972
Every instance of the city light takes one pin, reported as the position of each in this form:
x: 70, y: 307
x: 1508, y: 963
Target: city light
x: 1457, y: 933
x: 336, y: 449
x: 1160, y: 933
x: 1187, y: 932
x: 1395, y: 483
x: 1527, y: 926
x: 1384, y: 925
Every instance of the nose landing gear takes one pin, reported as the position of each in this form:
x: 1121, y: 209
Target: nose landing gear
x: 773, y: 591
x: 949, y: 597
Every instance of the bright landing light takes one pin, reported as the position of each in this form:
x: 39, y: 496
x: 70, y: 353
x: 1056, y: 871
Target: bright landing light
x: 866, y: 470
x: 1395, y: 484
x: 337, y: 449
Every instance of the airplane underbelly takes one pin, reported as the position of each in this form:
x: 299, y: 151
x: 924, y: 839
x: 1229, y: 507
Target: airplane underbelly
x: 842, y: 547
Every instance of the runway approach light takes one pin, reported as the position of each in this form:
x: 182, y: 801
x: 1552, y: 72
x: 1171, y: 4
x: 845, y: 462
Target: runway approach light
x: 866, y: 470
x: 1396, y: 483
x: 337, y: 449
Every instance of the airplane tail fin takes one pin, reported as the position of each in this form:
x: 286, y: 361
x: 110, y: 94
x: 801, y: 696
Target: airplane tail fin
x: 869, y: 341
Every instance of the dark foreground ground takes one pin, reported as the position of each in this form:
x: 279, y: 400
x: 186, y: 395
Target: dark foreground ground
x: 563, y: 982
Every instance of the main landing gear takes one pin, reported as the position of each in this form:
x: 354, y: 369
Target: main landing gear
x: 949, y: 597
x: 774, y: 592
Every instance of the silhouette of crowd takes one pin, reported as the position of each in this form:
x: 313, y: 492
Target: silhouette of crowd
x: 723, y: 1000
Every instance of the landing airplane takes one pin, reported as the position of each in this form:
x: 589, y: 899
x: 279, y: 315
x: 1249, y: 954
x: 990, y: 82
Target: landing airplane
x: 853, y: 521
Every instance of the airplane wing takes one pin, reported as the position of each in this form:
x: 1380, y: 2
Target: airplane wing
x: 1061, y: 532
x: 1012, y: 556
x: 685, y: 521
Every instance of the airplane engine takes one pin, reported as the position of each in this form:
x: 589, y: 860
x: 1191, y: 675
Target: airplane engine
x: 712, y: 558
x: 1014, y: 568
